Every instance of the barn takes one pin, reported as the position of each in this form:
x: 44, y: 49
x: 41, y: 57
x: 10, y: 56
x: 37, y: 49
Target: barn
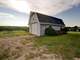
x: 39, y: 22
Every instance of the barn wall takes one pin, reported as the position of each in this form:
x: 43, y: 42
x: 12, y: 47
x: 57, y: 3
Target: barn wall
x: 34, y: 26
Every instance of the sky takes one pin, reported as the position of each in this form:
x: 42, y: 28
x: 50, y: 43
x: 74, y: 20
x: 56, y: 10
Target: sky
x: 16, y: 12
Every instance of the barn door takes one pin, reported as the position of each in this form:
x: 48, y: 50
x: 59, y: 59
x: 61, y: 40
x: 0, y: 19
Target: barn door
x: 35, y: 28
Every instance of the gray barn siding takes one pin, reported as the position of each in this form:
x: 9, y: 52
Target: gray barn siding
x: 34, y: 25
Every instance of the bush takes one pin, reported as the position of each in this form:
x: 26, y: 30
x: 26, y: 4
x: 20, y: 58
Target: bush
x: 79, y: 30
x: 50, y: 31
x: 64, y: 30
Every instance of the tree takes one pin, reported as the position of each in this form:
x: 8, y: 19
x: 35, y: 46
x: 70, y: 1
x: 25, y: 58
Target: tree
x: 79, y: 30
x: 75, y: 28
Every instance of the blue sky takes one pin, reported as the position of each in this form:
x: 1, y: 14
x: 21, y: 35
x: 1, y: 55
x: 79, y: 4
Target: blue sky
x: 71, y: 17
x: 16, y: 12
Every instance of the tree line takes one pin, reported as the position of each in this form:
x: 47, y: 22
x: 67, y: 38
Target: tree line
x: 13, y: 28
x: 75, y: 28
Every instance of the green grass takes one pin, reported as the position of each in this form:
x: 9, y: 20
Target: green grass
x: 13, y: 33
x: 66, y: 45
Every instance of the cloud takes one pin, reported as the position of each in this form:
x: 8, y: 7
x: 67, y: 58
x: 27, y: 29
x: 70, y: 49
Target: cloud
x: 52, y: 7
x: 7, y: 19
x: 13, y: 13
x: 49, y: 7
x: 19, y: 5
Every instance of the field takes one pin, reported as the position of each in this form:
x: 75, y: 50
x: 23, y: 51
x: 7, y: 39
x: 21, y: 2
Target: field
x: 68, y: 45
x: 13, y: 33
x: 10, y: 31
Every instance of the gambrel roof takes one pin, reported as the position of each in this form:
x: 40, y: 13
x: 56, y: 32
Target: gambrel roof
x: 47, y: 19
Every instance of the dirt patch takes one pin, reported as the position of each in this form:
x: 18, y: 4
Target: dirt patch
x: 22, y: 48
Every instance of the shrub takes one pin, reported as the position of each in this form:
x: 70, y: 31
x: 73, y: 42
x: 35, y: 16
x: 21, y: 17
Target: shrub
x: 50, y: 31
x: 64, y: 30
x: 79, y: 30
